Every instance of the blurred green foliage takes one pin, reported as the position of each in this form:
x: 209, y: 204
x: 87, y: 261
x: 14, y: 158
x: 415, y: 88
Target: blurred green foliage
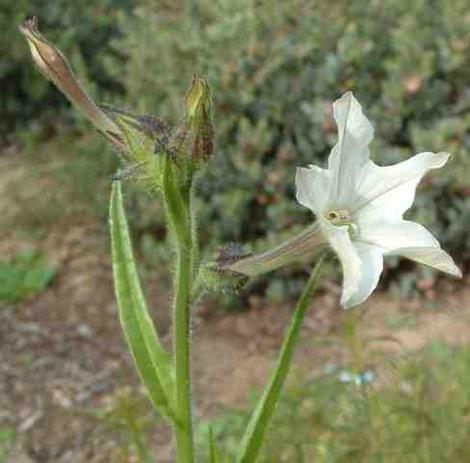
x: 420, y: 414
x: 275, y: 68
x: 24, y: 276
x: 127, y: 416
x: 7, y: 439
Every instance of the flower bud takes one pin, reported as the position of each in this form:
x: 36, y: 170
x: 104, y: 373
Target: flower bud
x: 53, y: 65
x: 199, y: 111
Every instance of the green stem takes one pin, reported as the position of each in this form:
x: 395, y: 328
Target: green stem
x: 257, y: 427
x: 178, y: 208
x: 182, y: 349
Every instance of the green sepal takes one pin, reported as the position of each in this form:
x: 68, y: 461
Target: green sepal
x: 152, y: 361
x: 211, y: 279
x: 147, y: 141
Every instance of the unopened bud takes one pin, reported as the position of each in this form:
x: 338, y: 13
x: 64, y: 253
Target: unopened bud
x: 54, y: 66
x: 199, y: 111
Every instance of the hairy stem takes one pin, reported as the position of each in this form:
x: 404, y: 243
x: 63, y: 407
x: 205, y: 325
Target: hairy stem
x: 182, y: 349
x: 178, y: 208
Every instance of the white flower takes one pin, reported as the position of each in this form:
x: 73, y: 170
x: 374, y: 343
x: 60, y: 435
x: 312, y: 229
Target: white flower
x: 360, y: 205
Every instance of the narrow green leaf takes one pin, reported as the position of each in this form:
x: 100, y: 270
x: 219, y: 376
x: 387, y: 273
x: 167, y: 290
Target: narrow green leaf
x: 152, y: 361
x: 259, y: 422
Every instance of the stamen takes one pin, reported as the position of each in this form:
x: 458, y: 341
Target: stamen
x: 341, y: 218
x: 338, y: 216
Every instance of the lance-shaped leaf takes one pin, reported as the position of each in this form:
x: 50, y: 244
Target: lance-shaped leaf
x: 260, y: 420
x: 151, y: 360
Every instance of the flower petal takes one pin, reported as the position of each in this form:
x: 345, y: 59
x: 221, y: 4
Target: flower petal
x: 312, y: 184
x: 351, y: 153
x: 394, y: 235
x: 361, y: 263
x: 407, y: 239
x: 434, y: 257
x: 388, y: 192
x: 371, y: 268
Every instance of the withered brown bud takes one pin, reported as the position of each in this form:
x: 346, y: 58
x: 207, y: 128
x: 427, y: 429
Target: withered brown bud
x: 54, y: 66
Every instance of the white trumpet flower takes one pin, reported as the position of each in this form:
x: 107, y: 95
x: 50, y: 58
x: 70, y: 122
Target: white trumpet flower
x: 360, y: 205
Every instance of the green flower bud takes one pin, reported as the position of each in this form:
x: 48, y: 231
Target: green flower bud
x: 54, y: 66
x: 199, y: 113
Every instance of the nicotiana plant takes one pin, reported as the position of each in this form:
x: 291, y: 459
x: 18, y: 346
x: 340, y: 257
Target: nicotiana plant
x: 358, y: 206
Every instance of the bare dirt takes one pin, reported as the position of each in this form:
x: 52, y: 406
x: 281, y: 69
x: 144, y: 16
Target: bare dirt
x: 63, y: 355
